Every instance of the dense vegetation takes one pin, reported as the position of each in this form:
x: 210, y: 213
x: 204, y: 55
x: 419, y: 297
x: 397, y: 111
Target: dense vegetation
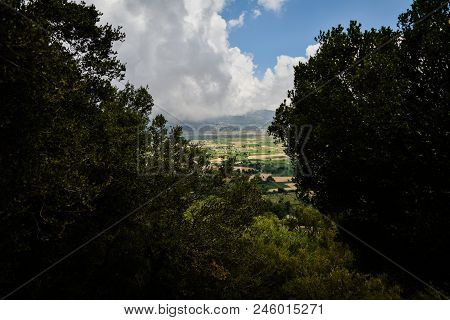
x: 379, y: 150
x: 81, y: 159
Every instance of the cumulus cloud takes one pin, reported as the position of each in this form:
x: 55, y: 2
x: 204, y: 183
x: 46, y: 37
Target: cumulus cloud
x: 180, y: 49
x: 312, y: 50
x: 273, y: 5
x: 237, y: 22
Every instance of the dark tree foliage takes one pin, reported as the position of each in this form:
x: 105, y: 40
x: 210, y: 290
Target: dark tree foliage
x: 379, y: 149
x: 67, y: 137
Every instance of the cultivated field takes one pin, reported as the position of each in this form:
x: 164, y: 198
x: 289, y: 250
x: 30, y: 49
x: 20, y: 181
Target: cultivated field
x: 255, y: 153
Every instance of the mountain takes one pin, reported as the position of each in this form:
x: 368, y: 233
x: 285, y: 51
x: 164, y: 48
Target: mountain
x: 255, y: 120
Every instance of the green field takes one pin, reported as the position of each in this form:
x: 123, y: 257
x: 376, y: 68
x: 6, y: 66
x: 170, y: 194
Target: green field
x: 251, y: 150
x: 283, y: 197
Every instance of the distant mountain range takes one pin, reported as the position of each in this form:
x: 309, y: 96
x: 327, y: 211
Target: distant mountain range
x: 255, y: 120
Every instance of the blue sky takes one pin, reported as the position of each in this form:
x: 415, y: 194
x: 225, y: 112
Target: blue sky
x: 293, y: 28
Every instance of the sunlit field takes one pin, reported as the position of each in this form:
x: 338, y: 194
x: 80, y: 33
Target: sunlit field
x: 254, y: 153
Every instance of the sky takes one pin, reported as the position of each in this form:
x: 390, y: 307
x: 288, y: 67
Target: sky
x: 207, y: 58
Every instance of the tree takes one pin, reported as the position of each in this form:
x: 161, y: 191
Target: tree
x: 378, y: 104
x: 231, y: 246
x: 227, y: 166
x: 291, y: 261
x: 67, y: 139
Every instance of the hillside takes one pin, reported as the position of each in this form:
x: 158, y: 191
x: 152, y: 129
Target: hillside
x: 259, y: 119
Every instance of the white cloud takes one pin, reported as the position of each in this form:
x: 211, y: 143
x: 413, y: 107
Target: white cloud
x: 311, y: 50
x: 273, y: 5
x: 180, y: 49
x: 256, y: 13
x: 237, y: 22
